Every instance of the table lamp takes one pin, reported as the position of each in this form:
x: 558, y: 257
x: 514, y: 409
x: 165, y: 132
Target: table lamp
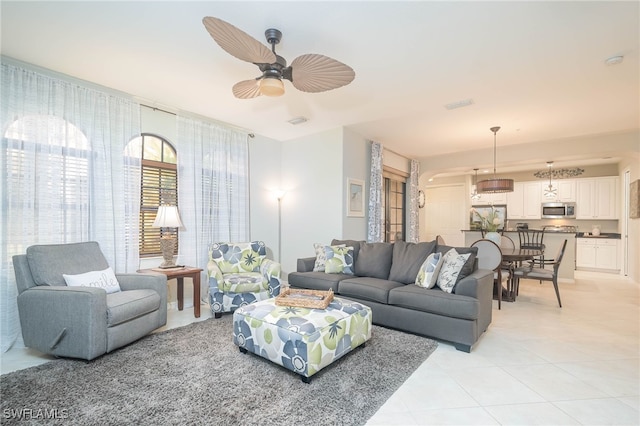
x: 167, y: 217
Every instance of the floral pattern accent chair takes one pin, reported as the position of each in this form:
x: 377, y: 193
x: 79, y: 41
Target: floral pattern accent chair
x: 239, y: 274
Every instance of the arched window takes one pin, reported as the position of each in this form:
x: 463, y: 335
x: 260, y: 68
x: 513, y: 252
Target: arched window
x: 158, y: 186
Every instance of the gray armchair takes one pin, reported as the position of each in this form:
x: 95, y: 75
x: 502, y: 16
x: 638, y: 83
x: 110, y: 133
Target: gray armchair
x: 83, y: 322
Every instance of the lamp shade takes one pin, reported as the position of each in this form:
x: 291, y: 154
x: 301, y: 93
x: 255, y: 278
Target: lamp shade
x: 271, y: 87
x: 495, y: 185
x: 168, y: 217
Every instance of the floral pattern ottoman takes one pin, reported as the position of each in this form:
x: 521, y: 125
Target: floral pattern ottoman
x: 303, y: 340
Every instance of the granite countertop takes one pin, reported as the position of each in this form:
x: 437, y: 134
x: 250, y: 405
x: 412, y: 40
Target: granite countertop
x: 609, y: 235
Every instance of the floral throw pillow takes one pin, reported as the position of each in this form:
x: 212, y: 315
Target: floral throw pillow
x: 339, y: 260
x: 321, y: 258
x: 428, y: 273
x: 451, y: 267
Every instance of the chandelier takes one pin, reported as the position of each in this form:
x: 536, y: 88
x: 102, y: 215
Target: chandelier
x: 494, y: 185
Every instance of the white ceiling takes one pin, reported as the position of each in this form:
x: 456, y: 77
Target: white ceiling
x: 534, y: 68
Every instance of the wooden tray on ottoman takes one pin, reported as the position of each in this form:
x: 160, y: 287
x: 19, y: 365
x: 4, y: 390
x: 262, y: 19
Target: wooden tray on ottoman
x: 305, y: 298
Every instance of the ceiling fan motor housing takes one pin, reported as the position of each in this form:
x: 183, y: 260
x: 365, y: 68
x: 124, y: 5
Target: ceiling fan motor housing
x: 273, y: 36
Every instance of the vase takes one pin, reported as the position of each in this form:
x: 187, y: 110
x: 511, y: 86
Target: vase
x: 493, y: 236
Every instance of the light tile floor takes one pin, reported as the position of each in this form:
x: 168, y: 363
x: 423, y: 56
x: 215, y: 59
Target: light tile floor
x: 537, y: 364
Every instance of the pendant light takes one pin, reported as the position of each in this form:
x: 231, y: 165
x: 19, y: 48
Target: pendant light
x: 474, y: 195
x: 494, y: 185
x: 550, y: 191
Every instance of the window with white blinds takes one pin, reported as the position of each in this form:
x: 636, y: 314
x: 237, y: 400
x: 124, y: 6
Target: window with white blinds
x: 158, y: 186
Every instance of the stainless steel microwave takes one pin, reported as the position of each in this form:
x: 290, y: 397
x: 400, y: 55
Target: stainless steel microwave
x: 558, y: 210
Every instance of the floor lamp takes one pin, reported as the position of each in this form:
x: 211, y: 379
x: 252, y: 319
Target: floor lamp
x: 279, y: 196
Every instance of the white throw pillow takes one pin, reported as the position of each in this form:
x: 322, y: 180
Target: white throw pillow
x: 101, y: 279
x: 321, y: 257
x: 428, y: 273
x: 451, y: 267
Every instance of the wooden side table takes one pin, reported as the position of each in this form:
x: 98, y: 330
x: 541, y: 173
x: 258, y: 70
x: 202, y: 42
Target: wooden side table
x: 180, y: 274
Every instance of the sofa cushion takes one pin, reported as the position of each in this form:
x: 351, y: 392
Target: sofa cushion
x: 374, y: 260
x: 127, y: 305
x: 351, y: 243
x: 469, y: 265
x: 365, y: 288
x: 451, y: 267
x: 339, y: 260
x: 243, y: 282
x: 435, y: 301
x: 105, y: 280
x: 407, y: 259
x: 48, y: 262
x: 316, y: 280
x: 429, y: 271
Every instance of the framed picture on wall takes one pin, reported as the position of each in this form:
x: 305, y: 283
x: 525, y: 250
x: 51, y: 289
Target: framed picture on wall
x: 355, y: 197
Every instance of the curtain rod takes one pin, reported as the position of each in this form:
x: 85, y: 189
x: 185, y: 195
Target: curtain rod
x: 250, y: 134
x: 158, y: 109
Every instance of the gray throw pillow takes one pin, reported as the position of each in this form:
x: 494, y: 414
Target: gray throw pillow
x: 407, y: 259
x: 374, y: 260
x: 349, y: 243
x: 467, y: 269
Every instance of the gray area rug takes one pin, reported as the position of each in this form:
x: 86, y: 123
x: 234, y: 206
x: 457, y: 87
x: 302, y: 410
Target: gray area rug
x: 196, y: 375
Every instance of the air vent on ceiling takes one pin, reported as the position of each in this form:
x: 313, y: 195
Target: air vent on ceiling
x: 459, y: 104
x: 298, y: 120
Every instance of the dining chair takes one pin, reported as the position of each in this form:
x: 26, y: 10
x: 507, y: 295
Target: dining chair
x: 490, y: 257
x: 532, y: 239
x: 506, y: 243
x: 541, y: 274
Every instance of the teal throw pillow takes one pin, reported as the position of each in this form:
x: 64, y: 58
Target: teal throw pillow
x: 339, y: 260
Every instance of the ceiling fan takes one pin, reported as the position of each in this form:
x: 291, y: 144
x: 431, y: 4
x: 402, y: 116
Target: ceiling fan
x: 311, y: 73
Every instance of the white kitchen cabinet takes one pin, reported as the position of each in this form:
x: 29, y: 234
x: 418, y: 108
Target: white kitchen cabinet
x: 499, y: 198
x: 597, y: 253
x: 566, y: 190
x: 596, y: 198
x: 525, y: 201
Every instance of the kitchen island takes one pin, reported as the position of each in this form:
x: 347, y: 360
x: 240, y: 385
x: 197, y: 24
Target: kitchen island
x: 552, y: 241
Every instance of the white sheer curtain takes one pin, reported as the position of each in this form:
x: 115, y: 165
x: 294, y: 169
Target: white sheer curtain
x: 414, y: 228
x: 213, y: 182
x: 64, y: 175
x: 375, y: 229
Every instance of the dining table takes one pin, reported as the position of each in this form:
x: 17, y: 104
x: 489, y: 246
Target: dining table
x: 514, y: 257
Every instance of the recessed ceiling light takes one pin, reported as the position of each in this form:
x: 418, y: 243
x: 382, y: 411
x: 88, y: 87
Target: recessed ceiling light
x: 459, y: 104
x: 614, y: 60
x: 298, y: 120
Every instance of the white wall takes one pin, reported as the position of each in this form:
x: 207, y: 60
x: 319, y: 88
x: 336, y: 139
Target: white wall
x: 265, y: 166
x: 356, y: 165
x: 312, y: 208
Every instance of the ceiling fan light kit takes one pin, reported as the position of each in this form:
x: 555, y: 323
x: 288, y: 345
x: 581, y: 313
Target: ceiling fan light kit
x: 271, y: 87
x: 310, y: 73
x: 494, y: 185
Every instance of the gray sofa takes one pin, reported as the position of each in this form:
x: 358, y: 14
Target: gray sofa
x: 83, y: 322
x: 383, y: 279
